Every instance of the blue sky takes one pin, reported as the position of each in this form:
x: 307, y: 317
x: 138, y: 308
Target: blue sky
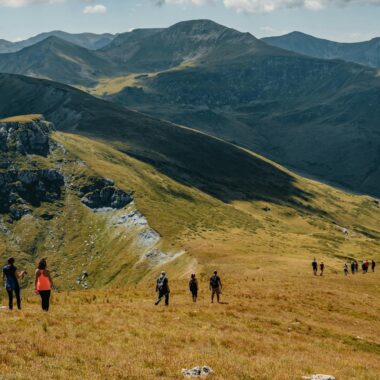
x: 342, y: 20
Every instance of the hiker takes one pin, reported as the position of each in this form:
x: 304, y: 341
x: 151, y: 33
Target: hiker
x: 373, y: 265
x: 43, y: 284
x: 345, y: 269
x: 366, y: 266
x: 353, y: 267
x: 314, y: 264
x: 356, y: 266
x: 162, y: 287
x: 322, y: 267
x: 215, y: 286
x: 193, y: 286
x: 10, y: 281
x: 363, y: 267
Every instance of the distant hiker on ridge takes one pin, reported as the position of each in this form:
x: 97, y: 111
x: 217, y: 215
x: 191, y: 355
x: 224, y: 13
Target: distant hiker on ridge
x: 314, y: 264
x: 322, y: 267
x: 193, y: 286
x: 345, y: 269
x: 10, y: 281
x: 356, y: 266
x: 215, y: 286
x: 373, y: 265
x: 43, y: 284
x: 162, y: 287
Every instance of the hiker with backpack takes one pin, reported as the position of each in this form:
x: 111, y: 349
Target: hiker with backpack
x: 162, y: 288
x: 193, y: 286
x: 314, y: 265
x: 43, y: 284
x: 215, y: 287
x: 11, y: 284
x: 322, y: 267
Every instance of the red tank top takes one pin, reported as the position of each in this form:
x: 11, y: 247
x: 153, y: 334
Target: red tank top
x: 43, y: 282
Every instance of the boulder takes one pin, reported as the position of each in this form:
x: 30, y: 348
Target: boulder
x: 197, y: 372
x: 319, y: 377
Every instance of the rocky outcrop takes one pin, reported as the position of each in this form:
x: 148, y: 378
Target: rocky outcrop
x: 197, y: 372
x: 24, y: 185
x: 31, y: 137
x: 19, y: 190
x: 101, y: 193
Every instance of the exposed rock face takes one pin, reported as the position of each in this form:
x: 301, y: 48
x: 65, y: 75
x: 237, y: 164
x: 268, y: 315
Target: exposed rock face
x: 101, y: 193
x: 21, y: 189
x: 26, y: 137
x: 24, y: 185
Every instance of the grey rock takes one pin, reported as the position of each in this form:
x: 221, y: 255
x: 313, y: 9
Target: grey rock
x: 319, y: 377
x: 197, y: 372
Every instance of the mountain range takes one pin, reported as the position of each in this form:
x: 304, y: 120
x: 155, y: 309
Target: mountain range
x: 295, y: 109
x: 364, y: 53
x: 90, y: 41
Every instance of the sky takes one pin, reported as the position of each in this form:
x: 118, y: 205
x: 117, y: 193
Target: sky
x: 339, y: 20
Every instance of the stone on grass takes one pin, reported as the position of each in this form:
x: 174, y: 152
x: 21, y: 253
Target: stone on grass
x: 319, y: 377
x: 197, y: 372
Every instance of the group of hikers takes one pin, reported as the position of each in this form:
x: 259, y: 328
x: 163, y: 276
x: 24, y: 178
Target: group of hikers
x: 43, y: 283
x: 354, y: 267
x: 162, y: 288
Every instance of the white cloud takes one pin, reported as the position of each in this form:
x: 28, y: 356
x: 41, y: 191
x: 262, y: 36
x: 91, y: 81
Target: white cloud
x: 24, y: 3
x: 97, y: 8
x: 267, y: 6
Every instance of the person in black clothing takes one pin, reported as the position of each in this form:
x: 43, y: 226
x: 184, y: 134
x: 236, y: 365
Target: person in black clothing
x: 215, y: 286
x: 353, y: 267
x: 314, y: 265
x: 373, y: 265
x: 162, y: 287
x: 10, y: 281
x: 322, y: 267
x: 356, y: 266
x: 193, y: 286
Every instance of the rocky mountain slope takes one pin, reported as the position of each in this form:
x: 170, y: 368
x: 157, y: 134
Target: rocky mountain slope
x: 365, y: 53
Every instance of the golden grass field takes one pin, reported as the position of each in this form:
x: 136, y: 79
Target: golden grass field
x: 278, y: 322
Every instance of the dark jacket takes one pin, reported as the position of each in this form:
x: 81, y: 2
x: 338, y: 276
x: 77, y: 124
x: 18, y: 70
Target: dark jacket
x: 162, y: 285
x: 11, y: 281
x: 193, y: 284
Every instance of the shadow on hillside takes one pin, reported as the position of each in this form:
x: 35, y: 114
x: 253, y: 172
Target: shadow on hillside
x: 191, y: 158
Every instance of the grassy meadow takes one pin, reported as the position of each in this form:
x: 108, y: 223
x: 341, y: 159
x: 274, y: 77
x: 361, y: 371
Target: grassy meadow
x: 277, y: 320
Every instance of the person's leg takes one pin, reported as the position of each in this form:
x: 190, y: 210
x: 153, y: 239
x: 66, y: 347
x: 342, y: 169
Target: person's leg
x: 158, y: 299
x: 10, y: 298
x: 45, y: 300
x: 18, y: 298
x: 218, y: 295
x: 167, y: 299
x: 212, y: 295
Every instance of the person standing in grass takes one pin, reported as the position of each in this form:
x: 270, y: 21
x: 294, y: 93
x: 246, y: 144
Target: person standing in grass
x: 43, y: 284
x: 322, y: 267
x: 215, y: 287
x: 345, y: 269
x: 314, y: 265
x: 162, y: 288
x: 11, y: 284
x: 356, y: 266
x: 193, y: 286
x: 353, y: 267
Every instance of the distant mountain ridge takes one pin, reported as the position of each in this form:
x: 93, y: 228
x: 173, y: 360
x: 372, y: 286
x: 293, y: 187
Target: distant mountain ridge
x: 89, y: 41
x: 365, y: 53
x: 54, y: 58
